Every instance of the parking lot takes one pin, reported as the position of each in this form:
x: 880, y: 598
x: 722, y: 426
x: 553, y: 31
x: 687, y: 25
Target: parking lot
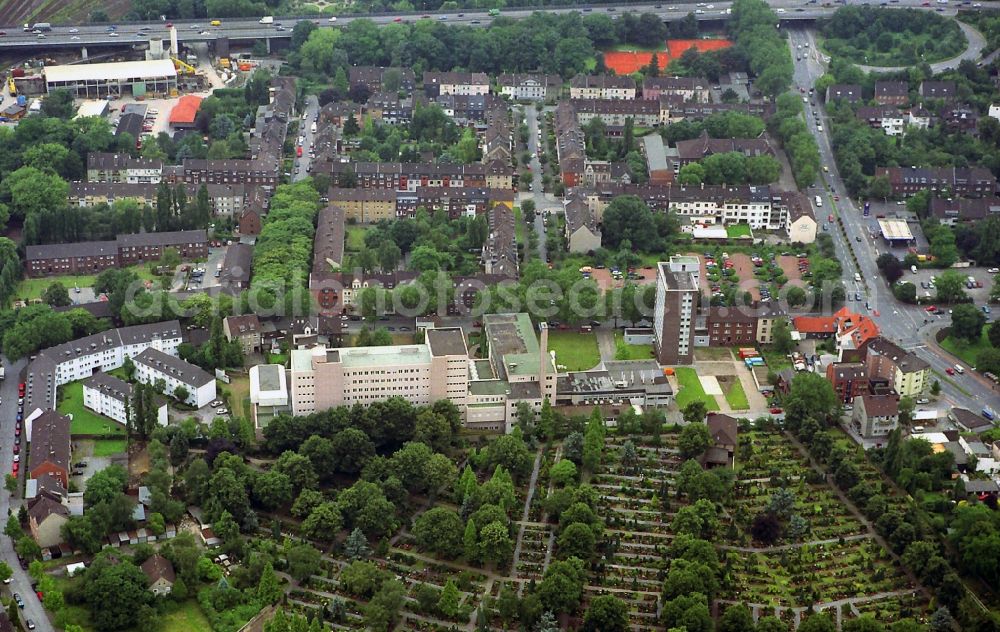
x: 924, y: 276
x: 202, y: 276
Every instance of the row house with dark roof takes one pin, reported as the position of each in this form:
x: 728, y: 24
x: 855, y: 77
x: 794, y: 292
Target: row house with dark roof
x: 91, y: 257
x: 464, y: 83
x: 892, y: 93
x: 110, y: 167
x: 581, y: 232
x: 467, y: 109
x: 499, y: 254
x: 152, y: 365
x: 688, y: 88
x: 946, y: 90
x: 951, y: 211
x: 696, y: 149
x: 407, y: 176
x: 960, y: 181
x: 679, y: 110
x: 389, y: 108
x: 614, y: 112
x: 571, y: 145
x: 849, y: 379
x: 209, y: 171
x: 961, y: 118
x: 601, y: 87
x: 850, y: 92
x: 375, y: 78
x: 225, y: 199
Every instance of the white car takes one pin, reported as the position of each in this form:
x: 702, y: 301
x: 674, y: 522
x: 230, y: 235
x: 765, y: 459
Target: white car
x: 993, y: 270
x: 74, y: 30
x: 333, y: 18
x: 17, y: 458
x: 779, y: 10
x: 221, y: 411
x: 923, y: 401
x: 75, y: 37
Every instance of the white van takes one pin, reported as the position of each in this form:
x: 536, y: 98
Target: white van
x: 857, y: 277
x: 819, y: 201
x: 913, y: 269
x: 959, y: 369
x: 917, y: 429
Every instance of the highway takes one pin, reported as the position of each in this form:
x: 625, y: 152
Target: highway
x: 910, y: 326
x: 236, y: 29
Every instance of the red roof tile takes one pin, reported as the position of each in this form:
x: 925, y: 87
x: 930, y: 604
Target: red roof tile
x: 186, y: 109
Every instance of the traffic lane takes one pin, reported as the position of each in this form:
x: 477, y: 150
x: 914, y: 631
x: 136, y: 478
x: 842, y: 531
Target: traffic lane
x: 20, y: 582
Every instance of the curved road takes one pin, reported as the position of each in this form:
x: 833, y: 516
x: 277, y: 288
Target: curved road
x: 976, y: 40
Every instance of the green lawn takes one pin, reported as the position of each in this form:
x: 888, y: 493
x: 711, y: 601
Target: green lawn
x: 110, y: 447
x: 647, y: 49
x: 277, y: 358
x: 30, y: 289
x: 735, y: 231
x: 737, y: 397
x: 691, y: 390
x: 578, y: 352
x: 355, y: 238
x: 966, y: 351
x: 519, y: 227
x: 775, y: 361
x: 84, y: 420
x: 631, y: 352
x: 187, y: 618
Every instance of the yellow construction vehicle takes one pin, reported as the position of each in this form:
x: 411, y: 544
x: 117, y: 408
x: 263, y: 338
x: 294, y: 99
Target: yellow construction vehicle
x: 183, y: 67
x: 11, y: 87
x: 224, y: 62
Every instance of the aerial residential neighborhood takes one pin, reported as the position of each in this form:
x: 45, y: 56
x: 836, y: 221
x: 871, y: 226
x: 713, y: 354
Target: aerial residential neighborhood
x: 597, y: 317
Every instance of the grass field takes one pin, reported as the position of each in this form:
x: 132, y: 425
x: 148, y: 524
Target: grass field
x: 775, y: 361
x: 735, y: 231
x: 966, y: 351
x: 519, y: 227
x: 110, y: 447
x: 736, y: 396
x: 187, y: 618
x: 355, y: 238
x: 277, y: 358
x: 632, y: 352
x: 691, y: 389
x: 85, y: 421
x: 239, y: 396
x: 30, y: 289
x: 578, y: 352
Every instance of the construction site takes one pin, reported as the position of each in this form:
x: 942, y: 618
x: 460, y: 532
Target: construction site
x: 160, y: 75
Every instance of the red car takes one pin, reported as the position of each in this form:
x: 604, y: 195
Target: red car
x: 949, y: 371
x: 776, y: 411
x: 398, y: 20
x: 14, y: 469
x: 931, y: 308
x: 836, y: 198
x: 829, y: 217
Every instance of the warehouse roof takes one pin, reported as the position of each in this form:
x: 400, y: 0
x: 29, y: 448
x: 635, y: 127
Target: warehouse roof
x: 186, y: 109
x: 113, y: 71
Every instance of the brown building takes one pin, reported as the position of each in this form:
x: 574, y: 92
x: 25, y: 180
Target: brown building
x: 571, y: 144
x: 850, y: 92
x: 849, y: 379
x: 141, y: 247
x: 87, y: 257
x: 689, y: 151
x: 328, y: 243
x: 374, y: 78
x: 50, y: 447
x: 245, y: 328
x: 957, y: 181
x: 197, y: 170
x: 407, y: 176
x: 892, y: 92
x: 728, y: 326
x: 687, y: 88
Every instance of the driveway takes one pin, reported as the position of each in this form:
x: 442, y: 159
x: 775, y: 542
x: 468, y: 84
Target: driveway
x: 977, y: 42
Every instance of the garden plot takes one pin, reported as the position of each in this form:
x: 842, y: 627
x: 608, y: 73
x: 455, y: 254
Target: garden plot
x: 813, y: 574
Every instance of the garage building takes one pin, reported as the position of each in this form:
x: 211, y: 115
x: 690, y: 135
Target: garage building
x: 97, y: 81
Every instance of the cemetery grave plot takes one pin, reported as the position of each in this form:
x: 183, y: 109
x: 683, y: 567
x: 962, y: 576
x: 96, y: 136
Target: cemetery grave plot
x: 813, y: 574
x: 320, y: 590
x: 819, y: 505
x: 892, y: 609
x: 762, y: 455
x: 534, y: 544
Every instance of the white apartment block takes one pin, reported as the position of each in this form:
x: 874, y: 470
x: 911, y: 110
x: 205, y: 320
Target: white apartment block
x: 323, y: 378
x: 152, y: 365
x: 601, y: 87
x: 107, y: 350
x: 109, y: 396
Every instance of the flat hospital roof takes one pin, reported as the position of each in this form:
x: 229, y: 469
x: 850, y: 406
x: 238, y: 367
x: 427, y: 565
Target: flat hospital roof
x: 383, y: 356
x: 893, y: 229
x: 112, y: 71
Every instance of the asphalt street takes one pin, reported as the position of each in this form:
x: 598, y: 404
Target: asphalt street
x: 301, y: 163
x: 908, y: 325
x: 543, y: 201
x: 21, y: 582
x: 14, y: 37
